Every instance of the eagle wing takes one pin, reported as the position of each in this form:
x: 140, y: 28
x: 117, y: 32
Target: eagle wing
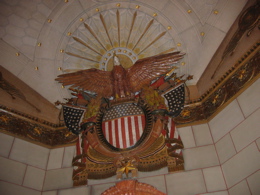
x: 147, y: 69
x: 93, y: 80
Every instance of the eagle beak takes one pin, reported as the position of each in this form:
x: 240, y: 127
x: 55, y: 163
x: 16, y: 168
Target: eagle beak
x: 116, y: 60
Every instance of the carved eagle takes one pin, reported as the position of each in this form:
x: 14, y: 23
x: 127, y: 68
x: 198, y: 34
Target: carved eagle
x: 121, y: 82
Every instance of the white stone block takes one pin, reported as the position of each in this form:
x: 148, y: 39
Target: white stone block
x: 200, y: 157
x: 187, y: 138
x: 102, y: 181
x: 229, y: 14
x: 34, y: 178
x: 214, y: 179
x: 76, y: 191
x: 241, y: 165
x: 184, y: 183
x: 58, y: 179
x: 178, y: 17
x: 249, y: 100
x: 159, y: 5
x: 50, y: 193
x: 226, y: 120
x: 50, y: 45
x: 29, y: 153
x: 217, y: 193
x: 98, y: 189
x: 43, y: 9
x: 88, y: 4
x: 12, y: 171
x: 157, y: 181
x: 6, y: 142
x: 8, y: 59
x: 246, y: 132
x: 253, y: 182
x: 258, y: 143
x: 209, y: 47
x: 191, y: 36
x: 66, y: 15
x: 69, y: 153
x: 240, y: 189
x: 55, y: 158
x: 225, y: 148
x: 161, y: 171
x: 12, y: 189
x: 202, y: 135
x: 15, y: 31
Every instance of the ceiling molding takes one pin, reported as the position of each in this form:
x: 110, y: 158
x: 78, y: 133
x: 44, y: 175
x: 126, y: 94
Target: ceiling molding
x: 237, y: 79
x: 230, y: 85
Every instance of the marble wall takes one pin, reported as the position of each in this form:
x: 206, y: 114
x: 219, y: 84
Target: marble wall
x: 221, y: 158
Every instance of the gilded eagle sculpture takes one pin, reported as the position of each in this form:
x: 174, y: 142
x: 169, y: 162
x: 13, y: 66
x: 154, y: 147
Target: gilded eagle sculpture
x: 121, y: 82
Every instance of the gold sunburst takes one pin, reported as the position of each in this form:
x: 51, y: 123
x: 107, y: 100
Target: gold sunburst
x: 129, y: 33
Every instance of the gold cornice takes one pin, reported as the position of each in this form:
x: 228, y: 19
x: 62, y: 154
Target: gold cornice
x: 200, y: 111
x: 236, y: 80
x: 31, y: 119
x: 242, y: 61
x: 34, y: 130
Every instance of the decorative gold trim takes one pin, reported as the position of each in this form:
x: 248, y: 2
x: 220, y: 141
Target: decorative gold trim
x: 230, y: 86
x: 156, y: 39
x: 76, y: 55
x: 248, y: 20
x: 214, y: 100
x: 34, y: 129
x: 86, y: 45
x: 145, y: 30
x: 94, y: 35
x: 105, y: 27
x: 118, y: 27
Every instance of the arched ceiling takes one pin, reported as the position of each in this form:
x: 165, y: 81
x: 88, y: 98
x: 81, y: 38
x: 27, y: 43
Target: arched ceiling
x: 44, y: 38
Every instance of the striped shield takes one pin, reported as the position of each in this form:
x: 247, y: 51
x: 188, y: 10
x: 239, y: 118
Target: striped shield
x: 123, y: 125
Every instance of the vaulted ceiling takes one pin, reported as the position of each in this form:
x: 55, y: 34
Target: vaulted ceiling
x: 45, y: 38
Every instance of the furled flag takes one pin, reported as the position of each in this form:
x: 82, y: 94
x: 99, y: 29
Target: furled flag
x: 72, y: 117
x: 175, y: 98
x: 123, y: 125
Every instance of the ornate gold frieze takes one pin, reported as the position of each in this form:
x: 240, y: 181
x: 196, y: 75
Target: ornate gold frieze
x: 231, y: 84
x: 248, y: 20
x: 30, y: 130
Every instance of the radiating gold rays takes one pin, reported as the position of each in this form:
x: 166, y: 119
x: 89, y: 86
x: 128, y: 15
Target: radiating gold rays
x: 79, y: 56
x: 118, y: 27
x: 100, y: 37
x: 94, y: 35
x: 86, y: 45
x: 153, y: 41
x: 144, y: 32
x: 131, y: 29
x: 105, y: 27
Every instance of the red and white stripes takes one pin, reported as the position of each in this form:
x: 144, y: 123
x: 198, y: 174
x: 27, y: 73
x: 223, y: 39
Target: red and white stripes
x: 125, y: 131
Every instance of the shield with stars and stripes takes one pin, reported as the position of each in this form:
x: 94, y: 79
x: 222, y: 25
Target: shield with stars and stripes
x: 123, y: 125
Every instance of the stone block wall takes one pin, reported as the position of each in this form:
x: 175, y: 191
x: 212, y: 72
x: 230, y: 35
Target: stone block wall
x: 221, y: 158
